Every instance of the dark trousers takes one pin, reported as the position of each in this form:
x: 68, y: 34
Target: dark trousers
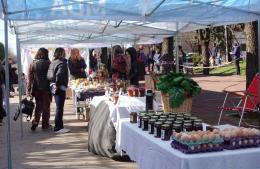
x: 237, y: 66
x: 43, y: 101
x: 59, y: 100
x: 2, y: 111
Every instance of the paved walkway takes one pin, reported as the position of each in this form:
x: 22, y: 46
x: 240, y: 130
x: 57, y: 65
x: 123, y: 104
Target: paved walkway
x: 45, y: 150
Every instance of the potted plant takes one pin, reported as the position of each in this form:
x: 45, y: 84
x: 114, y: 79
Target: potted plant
x: 177, y: 89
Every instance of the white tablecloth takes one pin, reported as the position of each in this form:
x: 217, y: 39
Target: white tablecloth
x: 152, y: 153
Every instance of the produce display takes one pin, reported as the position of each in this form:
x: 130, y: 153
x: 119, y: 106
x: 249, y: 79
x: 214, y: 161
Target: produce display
x: 86, y: 84
x: 235, y: 138
x: 179, y: 87
x: 197, y: 141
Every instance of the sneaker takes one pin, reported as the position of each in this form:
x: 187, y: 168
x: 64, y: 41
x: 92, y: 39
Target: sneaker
x: 61, y: 131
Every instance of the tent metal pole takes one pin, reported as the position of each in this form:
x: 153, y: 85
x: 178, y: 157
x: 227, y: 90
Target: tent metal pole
x: 176, y: 47
x: 258, y: 43
x: 157, y: 6
x: 19, y: 81
x: 7, y: 104
x: 226, y: 41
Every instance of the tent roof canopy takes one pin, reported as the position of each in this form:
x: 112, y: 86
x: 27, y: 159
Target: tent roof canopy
x: 97, y: 21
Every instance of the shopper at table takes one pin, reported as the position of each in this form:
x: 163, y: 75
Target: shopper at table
x: 133, y: 75
x: 38, y: 87
x: 119, y: 64
x: 77, y: 65
x: 58, y: 76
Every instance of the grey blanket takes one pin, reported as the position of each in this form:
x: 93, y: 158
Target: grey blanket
x: 102, y: 134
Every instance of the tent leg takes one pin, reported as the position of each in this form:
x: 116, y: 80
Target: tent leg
x: 19, y: 81
x: 258, y: 43
x: 177, y: 49
x: 7, y: 104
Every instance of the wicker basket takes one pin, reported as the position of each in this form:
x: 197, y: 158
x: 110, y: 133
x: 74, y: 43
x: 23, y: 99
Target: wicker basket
x: 184, y: 107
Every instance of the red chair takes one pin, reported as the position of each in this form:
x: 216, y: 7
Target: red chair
x: 248, y: 101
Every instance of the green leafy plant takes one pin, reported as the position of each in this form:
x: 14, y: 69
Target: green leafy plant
x: 179, y: 87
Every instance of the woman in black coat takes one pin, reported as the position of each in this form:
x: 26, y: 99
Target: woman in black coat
x: 133, y: 74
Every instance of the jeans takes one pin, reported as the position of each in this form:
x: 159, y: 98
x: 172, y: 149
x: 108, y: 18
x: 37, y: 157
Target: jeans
x: 237, y: 66
x: 59, y: 100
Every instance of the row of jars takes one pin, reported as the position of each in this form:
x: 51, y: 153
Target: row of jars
x: 163, y: 125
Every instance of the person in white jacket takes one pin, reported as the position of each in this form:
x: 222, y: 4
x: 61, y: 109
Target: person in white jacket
x: 157, y: 60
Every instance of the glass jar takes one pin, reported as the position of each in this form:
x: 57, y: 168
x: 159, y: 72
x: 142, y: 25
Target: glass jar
x: 141, y: 115
x: 176, y: 128
x: 187, y: 127
x: 193, y: 119
x: 157, y: 129
x: 175, y: 114
x: 130, y: 91
x: 171, y: 120
x: 145, y: 121
x: 149, y: 100
x: 136, y: 92
x: 165, y: 132
x: 198, y: 126
x: 133, y: 117
x: 179, y: 123
x: 186, y: 116
x: 151, y: 126
x: 141, y: 92
x: 169, y: 123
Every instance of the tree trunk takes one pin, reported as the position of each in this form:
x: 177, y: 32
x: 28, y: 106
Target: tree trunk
x: 251, y: 51
x: 205, y: 38
x: 167, y: 46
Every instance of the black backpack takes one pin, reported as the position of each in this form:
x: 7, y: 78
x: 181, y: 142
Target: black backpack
x: 27, y: 107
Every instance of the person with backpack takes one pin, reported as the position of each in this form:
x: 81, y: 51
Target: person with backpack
x: 58, y: 76
x: 38, y: 87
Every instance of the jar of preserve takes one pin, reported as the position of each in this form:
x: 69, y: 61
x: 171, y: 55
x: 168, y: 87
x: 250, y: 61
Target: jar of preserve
x: 141, y: 115
x: 176, y: 128
x: 151, y: 126
x: 145, y: 121
x: 133, y: 117
x: 171, y: 120
x: 198, y: 126
x: 169, y: 123
x: 157, y: 129
x: 198, y: 121
x: 141, y: 92
x: 187, y: 127
x: 130, y: 91
x: 162, y: 120
x: 165, y: 132
x: 193, y: 119
x: 179, y: 123
x: 135, y: 92
x: 186, y: 116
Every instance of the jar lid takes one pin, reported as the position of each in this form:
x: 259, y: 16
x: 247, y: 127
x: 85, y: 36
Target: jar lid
x: 193, y: 118
x: 187, y: 124
x: 176, y: 125
x: 150, y: 114
x: 172, y: 116
x: 165, y: 126
x: 142, y: 114
x: 198, y: 120
x: 198, y: 124
x: 170, y: 119
x: 154, y: 117
x: 152, y: 121
x: 168, y: 122
x: 163, y: 117
x: 187, y: 114
x: 177, y: 122
x: 161, y: 120
x: 158, y: 123
x: 146, y: 118
x: 179, y: 119
x: 187, y: 121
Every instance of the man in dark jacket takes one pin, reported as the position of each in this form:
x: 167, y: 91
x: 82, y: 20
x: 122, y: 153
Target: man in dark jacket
x: 133, y: 75
x: 38, y: 86
x: 58, y: 76
x: 2, y: 81
x: 236, y: 54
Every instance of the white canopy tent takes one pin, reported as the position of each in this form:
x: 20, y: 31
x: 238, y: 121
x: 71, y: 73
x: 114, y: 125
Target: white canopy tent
x: 101, y: 22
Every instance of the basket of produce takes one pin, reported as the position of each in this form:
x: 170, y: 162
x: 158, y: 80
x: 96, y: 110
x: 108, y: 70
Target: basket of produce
x: 177, y: 92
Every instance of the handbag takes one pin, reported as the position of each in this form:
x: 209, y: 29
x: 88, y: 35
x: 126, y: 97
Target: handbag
x: 27, y: 107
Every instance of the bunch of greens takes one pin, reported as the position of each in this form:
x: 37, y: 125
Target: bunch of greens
x: 179, y: 87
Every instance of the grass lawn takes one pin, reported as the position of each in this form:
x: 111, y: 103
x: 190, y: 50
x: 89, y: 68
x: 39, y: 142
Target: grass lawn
x: 226, y: 70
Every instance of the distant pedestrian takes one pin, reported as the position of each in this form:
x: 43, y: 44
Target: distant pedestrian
x: 236, y: 51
